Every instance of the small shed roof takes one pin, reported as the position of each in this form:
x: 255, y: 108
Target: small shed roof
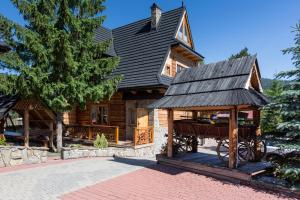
x: 6, y: 103
x: 224, y: 83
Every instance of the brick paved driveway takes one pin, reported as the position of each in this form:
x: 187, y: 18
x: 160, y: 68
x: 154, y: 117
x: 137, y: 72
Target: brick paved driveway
x: 91, y: 179
x: 51, y: 180
x: 160, y: 182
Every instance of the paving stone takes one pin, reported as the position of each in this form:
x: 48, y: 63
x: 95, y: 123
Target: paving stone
x: 50, y: 181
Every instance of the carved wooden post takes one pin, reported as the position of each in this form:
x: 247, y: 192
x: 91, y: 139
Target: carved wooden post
x: 26, y: 127
x: 90, y: 132
x: 256, y: 122
x: 170, y: 132
x: 51, y: 139
x: 233, y: 138
x: 135, y: 136
x: 117, y: 134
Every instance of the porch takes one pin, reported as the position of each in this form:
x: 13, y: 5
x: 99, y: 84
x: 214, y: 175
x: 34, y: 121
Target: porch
x: 86, y: 134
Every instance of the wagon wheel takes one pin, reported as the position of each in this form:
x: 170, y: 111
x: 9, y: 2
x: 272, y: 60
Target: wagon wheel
x: 179, y: 145
x: 244, y: 151
x: 223, y: 150
x: 261, y: 147
x: 189, y: 144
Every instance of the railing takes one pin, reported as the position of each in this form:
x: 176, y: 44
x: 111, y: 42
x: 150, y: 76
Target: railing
x: 143, y: 136
x: 90, y: 132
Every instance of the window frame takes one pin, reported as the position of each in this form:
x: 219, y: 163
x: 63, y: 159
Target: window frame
x: 102, y: 114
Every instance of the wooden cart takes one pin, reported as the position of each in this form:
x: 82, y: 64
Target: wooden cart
x: 186, y: 133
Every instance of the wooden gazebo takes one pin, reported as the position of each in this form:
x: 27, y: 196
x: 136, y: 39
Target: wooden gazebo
x: 230, y: 86
x: 34, y: 114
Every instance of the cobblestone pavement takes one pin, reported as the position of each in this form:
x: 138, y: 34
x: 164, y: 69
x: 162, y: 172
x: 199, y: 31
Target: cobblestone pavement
x: 43, y: 182
x: 167, y: 183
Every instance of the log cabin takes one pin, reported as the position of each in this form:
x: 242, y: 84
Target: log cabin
x: 151, y: 52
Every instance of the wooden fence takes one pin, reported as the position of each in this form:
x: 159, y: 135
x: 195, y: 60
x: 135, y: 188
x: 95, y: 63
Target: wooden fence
x: 90, y: 132
x: 143, y: 136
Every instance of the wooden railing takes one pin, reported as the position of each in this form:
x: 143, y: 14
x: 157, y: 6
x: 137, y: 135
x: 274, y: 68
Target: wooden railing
x: 143, y: 136
x: 90, y: 132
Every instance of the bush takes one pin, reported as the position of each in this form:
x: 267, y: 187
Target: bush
x: 2, y: 141
x: 100, y: 141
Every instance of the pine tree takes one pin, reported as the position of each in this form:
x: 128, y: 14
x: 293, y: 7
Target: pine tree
x: 289, y: 101
x: 271, y: 115
x: 244, y: 52
x: 54, y: 57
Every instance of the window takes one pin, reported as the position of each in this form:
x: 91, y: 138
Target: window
x: 179, y: 68
x: 182, y: 34
x: 99, y: 114
x: 167, y: 70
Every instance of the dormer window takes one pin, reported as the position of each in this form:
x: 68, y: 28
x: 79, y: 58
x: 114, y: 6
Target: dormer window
x: 179, y: 68
x: 182, y: 34
x: 167, y: 70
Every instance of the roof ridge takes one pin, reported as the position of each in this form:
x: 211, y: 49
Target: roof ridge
x: 145, y: 18
x: 227, y: 60
x: 213, y: 78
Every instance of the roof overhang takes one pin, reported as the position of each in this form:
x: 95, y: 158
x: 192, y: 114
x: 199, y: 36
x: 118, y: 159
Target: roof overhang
x: 187, y: 52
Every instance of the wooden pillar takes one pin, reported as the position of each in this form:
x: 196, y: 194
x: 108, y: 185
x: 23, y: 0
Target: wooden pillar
x: 256, y: 122
x: 233, y: 138
x: 117, y: 134
x: 170, y: 132
x: 51, y: 138
x: 194, y: 115
x: 2, y: 122
x: 26, y: 127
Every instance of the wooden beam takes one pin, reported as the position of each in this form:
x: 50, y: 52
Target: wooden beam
x: 256, y: 122
x: 233, y: 138
x: 170, y: 132
x: 26, y: 127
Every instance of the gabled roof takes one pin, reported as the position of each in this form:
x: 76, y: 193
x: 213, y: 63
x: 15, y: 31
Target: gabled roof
x: 6, y: 103
x: 218, y: 84
x: 143, y: 51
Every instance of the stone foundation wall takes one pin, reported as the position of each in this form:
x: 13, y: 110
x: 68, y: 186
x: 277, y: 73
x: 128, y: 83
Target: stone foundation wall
x: 139, y: 151
x: 160, y: 133
x: 17, y: 155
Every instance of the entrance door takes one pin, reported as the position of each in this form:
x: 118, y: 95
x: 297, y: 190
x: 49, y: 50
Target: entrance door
x: 142, y: 117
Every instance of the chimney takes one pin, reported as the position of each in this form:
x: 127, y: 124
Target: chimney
x: 155, y: 16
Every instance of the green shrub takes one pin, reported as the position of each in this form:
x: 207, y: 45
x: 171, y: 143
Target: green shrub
x: 100, y: 141
x: 291, y: 174
x: 2, y: 141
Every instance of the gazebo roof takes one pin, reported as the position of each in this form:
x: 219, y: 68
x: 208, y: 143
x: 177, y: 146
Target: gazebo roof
x: 226, y: 83
x: 6, y: 103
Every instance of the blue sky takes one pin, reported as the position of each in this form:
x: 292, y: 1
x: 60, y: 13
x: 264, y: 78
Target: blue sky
x: 219, y: 28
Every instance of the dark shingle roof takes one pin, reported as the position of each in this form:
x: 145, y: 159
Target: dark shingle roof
x: 217, y: 84
x: 142, y: 51
x: 6, y: 103
x: 103, y: 34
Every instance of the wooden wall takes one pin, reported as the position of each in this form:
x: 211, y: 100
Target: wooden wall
x: 174, y: 59
x: 163, y: 116
x: 116, y: 114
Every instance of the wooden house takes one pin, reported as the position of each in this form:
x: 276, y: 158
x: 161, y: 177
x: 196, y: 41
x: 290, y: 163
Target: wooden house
x: 151, y: 52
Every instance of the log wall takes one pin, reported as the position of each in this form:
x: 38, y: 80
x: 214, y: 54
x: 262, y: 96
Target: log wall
x: 116, y: 114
